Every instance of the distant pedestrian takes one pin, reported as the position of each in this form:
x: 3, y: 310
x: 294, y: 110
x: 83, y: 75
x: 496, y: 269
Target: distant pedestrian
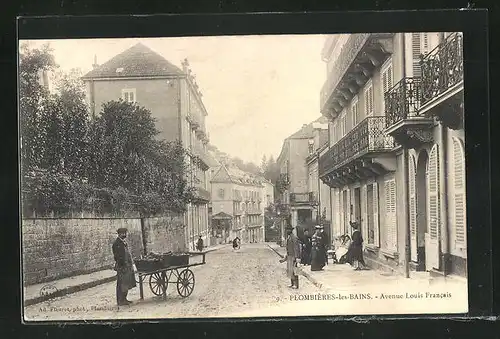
x: 236, y: 243
x: 291, y: 257
x: 124, y: 267
x: 318, y: 250
x: 199, y: 244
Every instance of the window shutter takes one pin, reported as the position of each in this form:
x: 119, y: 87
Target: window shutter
x: 337, y: 212
x: 413, y: 208
x: 370, y: 100
x: 348, y: 216
x: 433, y: 192
x: 356, y: 106
x: 131, y: 96
x: 375, y: 215
x: 364, y: 219
x: 390, y: 215
x: 425, y: 45
x: 416, y: 51
x: 459, y: 215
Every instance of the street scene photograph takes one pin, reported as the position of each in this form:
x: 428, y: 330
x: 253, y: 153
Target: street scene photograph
x: 242, y: 176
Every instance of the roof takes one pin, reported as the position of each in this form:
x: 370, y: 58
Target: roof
x: 237, y: 176
x: 307, y: 130
x: 137, y: 61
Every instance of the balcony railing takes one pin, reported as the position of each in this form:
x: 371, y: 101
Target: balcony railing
x: 402, y: 101
x: 367, y: 137
x: 442, y: 68
x: 254, y: 210
x: 303, y: 198
x: 238, y: 211
x: 347, y: 55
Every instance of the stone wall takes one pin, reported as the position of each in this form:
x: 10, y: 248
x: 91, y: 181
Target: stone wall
x: 165, y: 234
x: 57, y: 248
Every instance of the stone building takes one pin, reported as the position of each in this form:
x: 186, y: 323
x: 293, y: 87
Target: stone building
x: 238, y: 203
x: 298, y: 202
x: 395, y: 161
x: 142, y: 76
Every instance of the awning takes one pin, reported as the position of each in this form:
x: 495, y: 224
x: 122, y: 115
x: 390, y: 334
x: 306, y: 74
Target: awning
x: 222, y: 216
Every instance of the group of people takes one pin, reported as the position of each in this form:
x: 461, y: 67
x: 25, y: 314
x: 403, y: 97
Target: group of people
x: 313, y: 251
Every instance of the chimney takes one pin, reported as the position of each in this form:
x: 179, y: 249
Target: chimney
x: 95, y: 64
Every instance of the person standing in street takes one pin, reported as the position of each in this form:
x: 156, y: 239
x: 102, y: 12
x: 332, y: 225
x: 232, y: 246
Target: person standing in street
x: 199, y: 245
x: 291, y: 257
x: 306, y: 249
x: 124, y: 267
x: 318, y: 250
x: 355, y: 252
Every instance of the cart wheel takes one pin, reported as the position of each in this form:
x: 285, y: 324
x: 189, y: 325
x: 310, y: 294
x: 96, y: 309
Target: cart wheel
x: 185, y: 283
x: 156, y: 283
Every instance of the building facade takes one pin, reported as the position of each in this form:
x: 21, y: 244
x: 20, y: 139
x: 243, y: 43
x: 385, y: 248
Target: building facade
x: 238, y: 203
x: 298, y: 201
x: 142, y: 76
x: 396, y: 161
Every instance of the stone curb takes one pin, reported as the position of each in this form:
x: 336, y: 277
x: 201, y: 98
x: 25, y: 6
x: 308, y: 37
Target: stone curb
x: 69, y: 290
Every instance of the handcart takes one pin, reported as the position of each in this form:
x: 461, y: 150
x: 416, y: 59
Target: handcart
x: 164, y: 274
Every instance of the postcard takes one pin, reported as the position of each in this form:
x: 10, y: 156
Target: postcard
x: 243, y: 176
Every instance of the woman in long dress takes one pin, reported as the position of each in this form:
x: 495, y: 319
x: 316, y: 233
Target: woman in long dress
x: 318, y: 251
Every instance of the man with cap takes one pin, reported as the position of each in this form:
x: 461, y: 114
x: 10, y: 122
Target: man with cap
x: 318, y: 250
x: 292, y: 254
x: 124, y: 267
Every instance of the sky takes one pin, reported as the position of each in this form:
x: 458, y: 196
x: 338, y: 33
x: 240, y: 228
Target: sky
x: 257, y: 90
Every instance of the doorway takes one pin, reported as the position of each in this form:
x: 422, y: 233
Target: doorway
x: 421, y: 191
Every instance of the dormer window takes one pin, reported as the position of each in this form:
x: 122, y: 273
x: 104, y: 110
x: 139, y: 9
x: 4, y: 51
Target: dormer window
x: 128, y: 95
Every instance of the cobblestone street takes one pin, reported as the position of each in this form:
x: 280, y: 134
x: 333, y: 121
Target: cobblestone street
x: 230, y: 284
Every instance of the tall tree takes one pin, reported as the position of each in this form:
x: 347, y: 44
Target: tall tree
x: 33, y: 102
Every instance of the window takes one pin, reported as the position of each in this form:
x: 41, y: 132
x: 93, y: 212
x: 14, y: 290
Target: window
x: 420, y: 46
x: 128, y: 95
x: 369, y: 99
x: 343, y: 125
x: 390, y: 216
x: 459, y: 208
x: 355, y: 112
x: 221, y: 193
x: 311, y: 146
x: 387, y: 79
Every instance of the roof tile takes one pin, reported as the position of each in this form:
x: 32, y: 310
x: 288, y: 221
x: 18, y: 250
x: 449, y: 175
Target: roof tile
x: 137, y: 61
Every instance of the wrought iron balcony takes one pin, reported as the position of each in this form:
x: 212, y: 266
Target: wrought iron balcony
x: 402, y: 101
x: 442, y: 82
x: 308, y: 198
x: 368, y: 139
x: 442, y: 68
x: 238, y: 211
x: 359, y: 57
x: 403, y: 119
x: 254, y: 210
